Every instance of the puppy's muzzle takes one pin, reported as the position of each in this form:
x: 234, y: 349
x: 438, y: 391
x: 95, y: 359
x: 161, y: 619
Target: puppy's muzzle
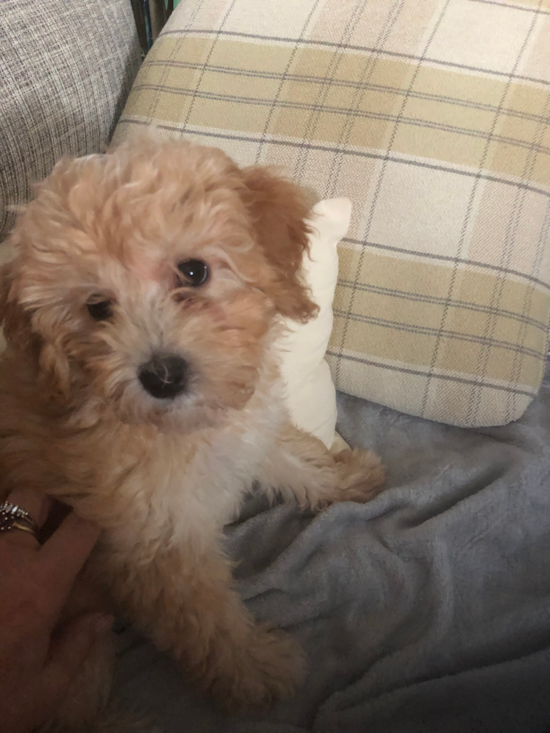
x: 164, y: 376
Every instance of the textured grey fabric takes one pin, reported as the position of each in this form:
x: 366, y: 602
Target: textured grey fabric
x: 66, y: 69
x: 427, y: 610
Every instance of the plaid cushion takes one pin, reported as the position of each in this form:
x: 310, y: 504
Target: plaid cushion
x: 433, y: 118
x: 65, y: 71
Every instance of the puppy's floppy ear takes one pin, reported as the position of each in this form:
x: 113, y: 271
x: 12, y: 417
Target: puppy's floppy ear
x: 53, y: 370
x: 14, y: 320
x: 3, y: 293
x: 278, y: 210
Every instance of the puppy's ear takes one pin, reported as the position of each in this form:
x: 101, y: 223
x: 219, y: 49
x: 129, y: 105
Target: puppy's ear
x: 3, y: 293
x: 278, y: 210
x: 53, y: 369
x: 14, y: 320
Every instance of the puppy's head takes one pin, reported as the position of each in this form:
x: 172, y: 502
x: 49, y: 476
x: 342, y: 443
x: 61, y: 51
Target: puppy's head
x: 149, y: 278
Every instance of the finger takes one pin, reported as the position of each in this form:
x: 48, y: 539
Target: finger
x: 37, y: 505
x: 64, y: 554
x: 70, y: 649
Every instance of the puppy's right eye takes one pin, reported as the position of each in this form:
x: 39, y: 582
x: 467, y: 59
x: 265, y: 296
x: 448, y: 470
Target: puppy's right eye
x: 100, y: 310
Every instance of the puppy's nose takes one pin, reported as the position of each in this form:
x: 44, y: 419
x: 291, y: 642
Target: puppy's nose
x: 164, y: 376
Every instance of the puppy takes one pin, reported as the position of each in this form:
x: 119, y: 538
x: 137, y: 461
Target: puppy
x: 141, y: 387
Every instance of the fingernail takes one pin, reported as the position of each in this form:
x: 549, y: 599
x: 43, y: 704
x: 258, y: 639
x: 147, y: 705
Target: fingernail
x: 103, y: 623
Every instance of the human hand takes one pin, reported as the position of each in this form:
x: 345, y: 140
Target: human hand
x: 38, y: 659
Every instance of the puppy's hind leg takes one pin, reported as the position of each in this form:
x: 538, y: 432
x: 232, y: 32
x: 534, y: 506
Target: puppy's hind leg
x: 301, y: 468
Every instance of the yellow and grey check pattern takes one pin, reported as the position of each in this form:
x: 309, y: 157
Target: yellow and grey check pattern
x: 433, y: 117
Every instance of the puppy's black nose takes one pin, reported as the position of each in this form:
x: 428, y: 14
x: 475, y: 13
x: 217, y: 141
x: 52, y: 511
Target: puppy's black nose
x: 164, y: 376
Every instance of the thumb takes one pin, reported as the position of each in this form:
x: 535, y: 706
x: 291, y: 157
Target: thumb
x: 70, y: 649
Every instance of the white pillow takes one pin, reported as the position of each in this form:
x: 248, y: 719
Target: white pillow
x: 310, y: 390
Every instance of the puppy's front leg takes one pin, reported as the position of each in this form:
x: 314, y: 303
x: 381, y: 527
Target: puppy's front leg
x: 301, y: 468
x: 186, y: 604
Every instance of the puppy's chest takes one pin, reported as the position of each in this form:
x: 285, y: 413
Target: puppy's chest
x: 206, y: 474
x: 196, y: 478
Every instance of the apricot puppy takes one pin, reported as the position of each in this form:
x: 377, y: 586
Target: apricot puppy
x: 140, y: 386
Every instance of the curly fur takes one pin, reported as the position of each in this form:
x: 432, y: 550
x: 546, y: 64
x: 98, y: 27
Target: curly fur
x: 162, y: 477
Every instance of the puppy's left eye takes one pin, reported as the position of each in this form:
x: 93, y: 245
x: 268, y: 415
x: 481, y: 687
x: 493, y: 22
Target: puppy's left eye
x: 193, y: 272
x: 100, y: 310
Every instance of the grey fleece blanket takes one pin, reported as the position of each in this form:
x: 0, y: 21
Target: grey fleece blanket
x: 425, y: 611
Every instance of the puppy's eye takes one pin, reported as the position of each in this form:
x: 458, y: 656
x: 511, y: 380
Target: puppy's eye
x: 100, y: 310
x: 193, y: 272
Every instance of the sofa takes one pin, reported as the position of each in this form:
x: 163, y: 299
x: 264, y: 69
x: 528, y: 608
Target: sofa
x: 427, y: 609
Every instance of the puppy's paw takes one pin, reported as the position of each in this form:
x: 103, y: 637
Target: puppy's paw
x: 361, y: 475
x: 267, y: 669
